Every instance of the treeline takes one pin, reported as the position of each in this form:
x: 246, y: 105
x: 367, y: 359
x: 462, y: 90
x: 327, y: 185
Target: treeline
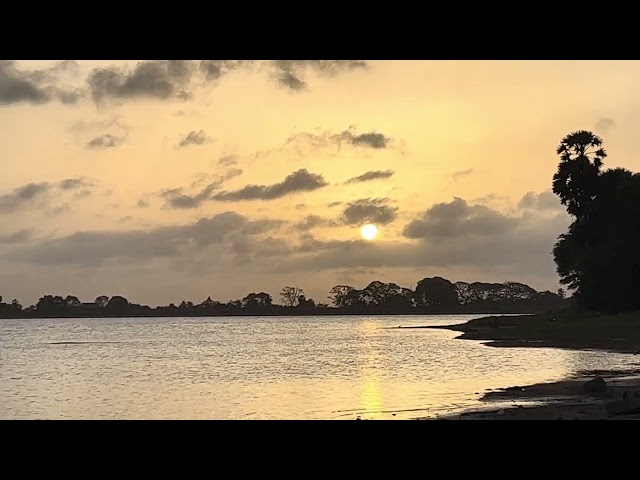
x: 599, y: 256
x: 431, y: 296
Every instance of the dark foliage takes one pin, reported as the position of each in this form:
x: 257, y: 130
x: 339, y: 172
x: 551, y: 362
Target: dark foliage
x: 432, y: 295
x: 599, y: 256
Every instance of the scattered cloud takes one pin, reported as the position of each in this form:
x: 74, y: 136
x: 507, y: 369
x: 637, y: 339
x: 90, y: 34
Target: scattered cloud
x: 333, y: 204
x: 369, y: 210
x: 176, y: 198
x: 304, y: 143
x: 87, y: 126
x: 34, y: 194
x: 82, y: 194
x: 228, y: 161
x: 150, y: 79
x: 57, y: 210
x: 327, y: 139
x: 143, y: 203
x: 22, y: 196
x: 92, y: 248
x: 104, y: 141
x: 291, y: 73
x: 604, y: 124
x: 540, y: 201
x: 19, y: 236
x: 194, y: 138
x: 371, y: 175
x: 75, y: 183
x: 455, y: 176
x: 458, y: 218
x: 370, y: 140
x: 215, y: 69
x: 159, y: 79
x: 36, y: 87
x: 298, y: 181
x: 312, y: 221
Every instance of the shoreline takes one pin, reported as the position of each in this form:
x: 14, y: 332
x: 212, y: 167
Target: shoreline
x: 569, y: 398
x: 561, y: 400
x: 328, y: 312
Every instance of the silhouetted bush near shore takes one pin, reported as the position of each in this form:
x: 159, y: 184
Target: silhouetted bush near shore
x: 432, y: 296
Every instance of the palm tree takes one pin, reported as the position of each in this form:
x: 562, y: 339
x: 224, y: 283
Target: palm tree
x: 575, y: 182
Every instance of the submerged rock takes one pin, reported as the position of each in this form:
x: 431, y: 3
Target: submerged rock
x: 597, y: 385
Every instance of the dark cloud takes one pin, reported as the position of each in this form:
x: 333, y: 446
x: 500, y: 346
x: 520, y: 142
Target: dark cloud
x: 125, y: 219
x: 143, y: 203
x: 228, y: 161
x: 458, y: 218
x: 32, y: 193
x: 176, y: 198
x: 22, y: 196
x: 215, y: 69
x: 540, y: 201
x: 299, y: 181
x: 289, y: 80
x: 194, y: 138
x: 105, y: 141
x: 312, y: 221
x: 371, y: 175
x: 604, y: 124
x: 290, y: 73
x: 94, y: 248
x: 371, y: 140
x: 19, y: 236
x: 154, y: 79
x: 369, y: 210
x: 75, y: 183
x: 159, y: 79
x: 333, y: 204
x: 319, y: 141
x: 455, y: 176
x: 477, y: 238
x: 35, y: 87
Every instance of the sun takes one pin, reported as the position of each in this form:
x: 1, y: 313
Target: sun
x: 369, y: 231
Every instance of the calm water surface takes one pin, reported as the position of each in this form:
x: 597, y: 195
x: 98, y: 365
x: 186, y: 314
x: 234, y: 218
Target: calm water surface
x: 260, y: 368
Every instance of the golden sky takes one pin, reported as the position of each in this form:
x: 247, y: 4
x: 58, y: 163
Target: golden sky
x: 168, y: 181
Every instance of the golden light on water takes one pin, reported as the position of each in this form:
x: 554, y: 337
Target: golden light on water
x: 369, y: 231
x: 371, y: 394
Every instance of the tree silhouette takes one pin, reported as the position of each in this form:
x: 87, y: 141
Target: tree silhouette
x: 598, y: 257
x: 72, y: 301
x: 118, y: 303
x: 291, y: 296
x: 254, y: 300
x: 102, y: 301
x: 575, y: 182
x: 436, y: 292
x: 341, y: 295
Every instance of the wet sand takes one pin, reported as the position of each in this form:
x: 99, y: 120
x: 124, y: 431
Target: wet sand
x: 562, y: 400
x: 565, y: 399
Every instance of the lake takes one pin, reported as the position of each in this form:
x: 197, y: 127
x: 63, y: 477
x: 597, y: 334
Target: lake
x: 261, y: 368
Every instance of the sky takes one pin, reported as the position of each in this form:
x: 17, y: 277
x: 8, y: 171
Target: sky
x: 165, y: 181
